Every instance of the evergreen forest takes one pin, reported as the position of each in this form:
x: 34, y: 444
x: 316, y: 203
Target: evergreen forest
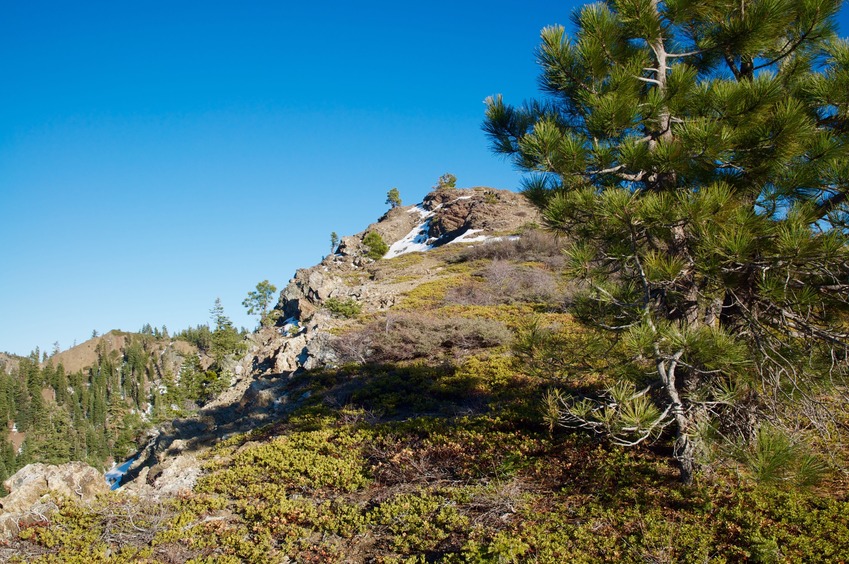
x: 102, y: 413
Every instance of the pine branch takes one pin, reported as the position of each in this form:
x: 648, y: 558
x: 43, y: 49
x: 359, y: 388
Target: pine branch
x: 802, y: 38
x: 730, y: 62
x: 824, y: 208
x: 649, y: 80
x: 688, y: 54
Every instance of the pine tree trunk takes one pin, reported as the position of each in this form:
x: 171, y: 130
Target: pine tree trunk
x: 684, y: 452
x: 684, y: 449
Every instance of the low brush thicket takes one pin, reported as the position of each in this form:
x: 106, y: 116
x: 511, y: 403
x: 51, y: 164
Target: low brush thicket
x: 502, y: 282
x: 344, y: 484
x: 440, y: 441
x: 454, y: 461
x: 410, y: 336
x: 530, y: 244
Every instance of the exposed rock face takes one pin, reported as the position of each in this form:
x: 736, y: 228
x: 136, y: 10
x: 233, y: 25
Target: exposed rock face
x: 394, y: 224
x: 8, y: 362
x: 482, y: 209
x: 32, y: 487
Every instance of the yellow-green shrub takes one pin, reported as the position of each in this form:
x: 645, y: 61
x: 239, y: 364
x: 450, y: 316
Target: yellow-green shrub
x: 417, y: 522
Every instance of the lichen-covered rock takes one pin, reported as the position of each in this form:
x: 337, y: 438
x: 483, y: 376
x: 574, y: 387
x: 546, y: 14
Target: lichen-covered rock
x: 176, y: 475
x: 32, y: 488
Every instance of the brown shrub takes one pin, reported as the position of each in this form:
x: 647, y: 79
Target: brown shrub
x: 410, y: 336
x: 506, y: 283
x: 472, y: 293
x: 521, y: 283
x: 531, y: 245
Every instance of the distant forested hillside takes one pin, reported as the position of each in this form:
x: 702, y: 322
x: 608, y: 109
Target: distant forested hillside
x: 103, y: 411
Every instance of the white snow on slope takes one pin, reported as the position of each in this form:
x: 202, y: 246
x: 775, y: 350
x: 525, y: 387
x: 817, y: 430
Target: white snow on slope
x: 466, y: 237
x: 290, y: 326
x: 416, y: 240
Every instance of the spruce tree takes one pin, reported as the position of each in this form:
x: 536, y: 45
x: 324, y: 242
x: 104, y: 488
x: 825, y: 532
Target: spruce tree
x: 695, y: 156
x: 8, y: 463
x: 6, y: 398
x: 225, y: 338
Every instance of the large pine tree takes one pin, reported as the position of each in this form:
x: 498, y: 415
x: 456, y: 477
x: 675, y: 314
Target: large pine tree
x: 695, y: 153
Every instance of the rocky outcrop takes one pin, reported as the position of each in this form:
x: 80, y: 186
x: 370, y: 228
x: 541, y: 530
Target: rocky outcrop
x: 9, y: 362
x: 34, y: 488
x: 481, y: 209
x: 169, y: 464
x: 310, y: 287
x: 450, y: 213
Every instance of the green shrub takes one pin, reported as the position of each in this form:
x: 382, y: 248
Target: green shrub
x: 377, y: 247
x: 316, y: 459
x: 347, y: 308
x: 417, y: 522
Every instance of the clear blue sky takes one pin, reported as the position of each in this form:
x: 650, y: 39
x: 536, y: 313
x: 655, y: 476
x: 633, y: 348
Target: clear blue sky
x: 157, y: 155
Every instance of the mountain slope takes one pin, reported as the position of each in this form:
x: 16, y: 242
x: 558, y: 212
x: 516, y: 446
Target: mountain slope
x: 86, y: 354
x: 304, y: 338
x: 397, y: 414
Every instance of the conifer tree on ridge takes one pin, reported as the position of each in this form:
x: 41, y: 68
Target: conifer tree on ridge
x: 696, y: 155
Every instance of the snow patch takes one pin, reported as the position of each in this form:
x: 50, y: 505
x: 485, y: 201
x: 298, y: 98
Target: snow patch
x: 423, y: 213
x: 290, y: 326
x: 485, y: 239
x: 466, y: 237
x: 416, y: 240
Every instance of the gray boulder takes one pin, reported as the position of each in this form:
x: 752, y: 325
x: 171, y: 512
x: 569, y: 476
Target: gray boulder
x: 33, y: 489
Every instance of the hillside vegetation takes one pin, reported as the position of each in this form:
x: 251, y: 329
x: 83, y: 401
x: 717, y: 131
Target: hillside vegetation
x: 430, y: 441
x: 117, y: 388
x: 643, y: 358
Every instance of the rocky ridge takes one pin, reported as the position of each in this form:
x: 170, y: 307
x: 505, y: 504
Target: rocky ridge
x: 445, y: 216
x: 259, y: 393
